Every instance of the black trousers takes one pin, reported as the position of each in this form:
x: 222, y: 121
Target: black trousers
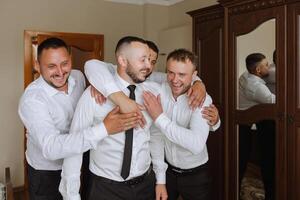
x: 103, y: 189
x: 194, y: 186
x: 245, y: 147
x: 266, y: 138
x: 43, y: 184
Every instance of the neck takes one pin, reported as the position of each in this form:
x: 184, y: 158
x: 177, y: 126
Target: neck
x: 124, y: 76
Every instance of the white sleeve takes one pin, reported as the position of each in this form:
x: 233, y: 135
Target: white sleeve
x: 263, y: 95
x: 54, y: 144
x: 157, y: 145
x: 83, y: 118
x: 192, y: 138
x: 100, y: 75
x: 216, y: 126
x: 158, y: 77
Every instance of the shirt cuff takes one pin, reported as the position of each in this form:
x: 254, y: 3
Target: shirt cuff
x: 160, y: 177
x: 216, y: 126
x: 69, y: 187
x: 161, y: 121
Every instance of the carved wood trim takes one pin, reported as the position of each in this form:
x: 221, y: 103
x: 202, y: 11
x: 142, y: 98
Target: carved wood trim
x: 255, y: 5
x: 208, y: 13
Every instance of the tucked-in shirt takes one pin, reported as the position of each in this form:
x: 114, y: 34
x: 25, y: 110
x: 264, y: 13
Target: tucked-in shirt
x: 106, y: 159
x: 47, y: 114
x: 253, y: 91
x: 100, y: 75
x: 185, y: 130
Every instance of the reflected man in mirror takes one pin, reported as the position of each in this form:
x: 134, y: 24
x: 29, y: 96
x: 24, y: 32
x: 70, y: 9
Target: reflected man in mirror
x: 253, y: 91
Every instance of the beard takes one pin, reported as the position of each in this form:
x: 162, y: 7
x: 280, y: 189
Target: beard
x: 149, y: 74
x: 58, y: 87
x: 134, y: 75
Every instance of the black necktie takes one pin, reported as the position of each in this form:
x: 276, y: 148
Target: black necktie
x: 128, y: 143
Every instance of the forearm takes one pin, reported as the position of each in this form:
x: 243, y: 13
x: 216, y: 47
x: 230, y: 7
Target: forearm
x: 193, y: 140
x: 64, y: 145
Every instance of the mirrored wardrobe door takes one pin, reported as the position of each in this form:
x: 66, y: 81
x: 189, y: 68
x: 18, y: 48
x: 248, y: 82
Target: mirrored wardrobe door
x: 256, y: 103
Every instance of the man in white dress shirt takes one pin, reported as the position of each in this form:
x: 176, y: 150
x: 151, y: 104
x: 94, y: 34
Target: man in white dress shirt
x: 46, y: 108
x: 107, y: 160
x: 185, y: 131
x: 253, y: 91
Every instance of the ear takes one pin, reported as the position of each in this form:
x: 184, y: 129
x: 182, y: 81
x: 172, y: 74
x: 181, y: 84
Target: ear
x: 37, y: 66
x: 122, y: 60
x: 195, y: 73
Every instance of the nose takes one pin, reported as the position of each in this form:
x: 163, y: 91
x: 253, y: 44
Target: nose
x: 148, y: 63
x: 59, y: 71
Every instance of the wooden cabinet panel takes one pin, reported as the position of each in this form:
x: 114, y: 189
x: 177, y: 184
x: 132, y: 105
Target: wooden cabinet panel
x: 208, y: 46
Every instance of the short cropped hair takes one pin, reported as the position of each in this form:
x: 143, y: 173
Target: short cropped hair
x: 152, y: 46
x: 127, y: 40
x: 51, y: 43
x: 253, y: 60
x: 183, y: 55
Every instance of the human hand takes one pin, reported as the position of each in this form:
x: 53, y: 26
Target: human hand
x: 129, y: 105
x: 161, y: 192
x: 99, y: 98
x: 211, y: 114
x: 116, y: 121
x: 152, y: 104
x: 196, y: 95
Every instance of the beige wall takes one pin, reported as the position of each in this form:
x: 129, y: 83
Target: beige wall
x: 89, y: 16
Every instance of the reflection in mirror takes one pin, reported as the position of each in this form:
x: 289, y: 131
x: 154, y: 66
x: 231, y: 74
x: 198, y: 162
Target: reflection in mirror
x: 256, y: 158
x: 256, y: 66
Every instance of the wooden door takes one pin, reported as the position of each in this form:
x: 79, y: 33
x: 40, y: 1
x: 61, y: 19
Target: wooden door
x: 293, y: 96
x: 83, y: 47
x: 208, y: 46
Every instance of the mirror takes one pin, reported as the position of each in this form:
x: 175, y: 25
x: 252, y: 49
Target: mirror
x: 255, y: 66
x: 256, y: 160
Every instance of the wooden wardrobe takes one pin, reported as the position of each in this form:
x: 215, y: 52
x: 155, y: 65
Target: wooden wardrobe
x: 217, y: 37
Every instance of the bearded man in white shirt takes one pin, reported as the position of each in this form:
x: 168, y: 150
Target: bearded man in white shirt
x: 107, y: 161
x: 46, y: 108
x: 254, y: 91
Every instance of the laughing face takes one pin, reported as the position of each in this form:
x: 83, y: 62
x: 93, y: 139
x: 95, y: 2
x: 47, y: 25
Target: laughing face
x: 179, y: 75
x: 138, y: 64
x: 55, y: 66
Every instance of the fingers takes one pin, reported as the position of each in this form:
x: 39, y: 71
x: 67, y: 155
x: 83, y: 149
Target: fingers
x: 93, y: 91
x: 189, y: 92
x: 115, y: 110
x: 195, y: 102
x: 141, y: 107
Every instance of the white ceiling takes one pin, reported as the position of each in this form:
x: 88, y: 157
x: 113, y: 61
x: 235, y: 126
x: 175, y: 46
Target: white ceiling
x: 142, y: 2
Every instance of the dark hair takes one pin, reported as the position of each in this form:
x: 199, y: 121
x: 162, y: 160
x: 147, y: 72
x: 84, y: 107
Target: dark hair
x: 152, y: 46
x: 274, y: 57
x: 127, y: 40
x: 253, y: 60
x: 183, y: 55
x: 53, y: 43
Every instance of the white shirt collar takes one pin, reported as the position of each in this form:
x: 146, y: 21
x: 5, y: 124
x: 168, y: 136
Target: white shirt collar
x: 121, y: 82
x: 51, y: 91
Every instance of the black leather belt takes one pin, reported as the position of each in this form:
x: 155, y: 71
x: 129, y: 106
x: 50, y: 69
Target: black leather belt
x: 178, y: 171
x: 133, y: 181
